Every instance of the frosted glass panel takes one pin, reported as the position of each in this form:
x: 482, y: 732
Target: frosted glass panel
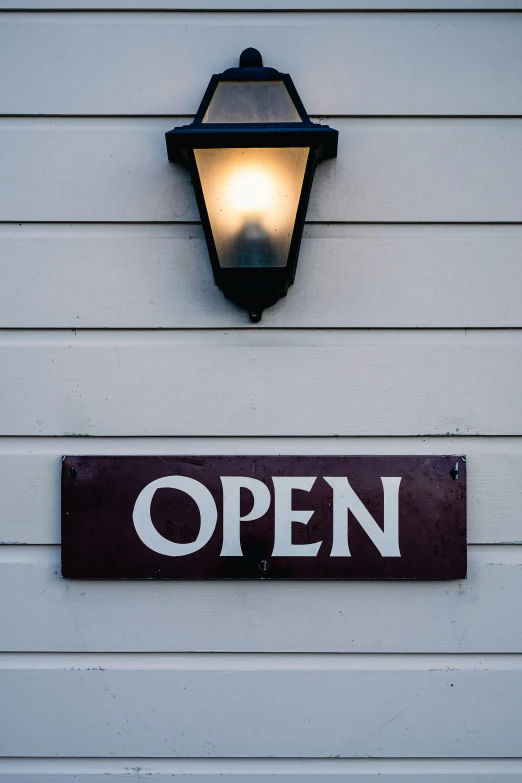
x: 251, y: 102
x: 252, y: 197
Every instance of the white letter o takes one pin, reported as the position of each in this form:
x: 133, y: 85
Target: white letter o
x: 148, y: 533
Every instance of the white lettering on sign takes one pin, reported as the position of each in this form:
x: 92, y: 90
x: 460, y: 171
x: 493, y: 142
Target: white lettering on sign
x: 148, y: 533
x: 285, y: 515
x: 345, y: 499
x: 386, y: 539
x: 232, y: 486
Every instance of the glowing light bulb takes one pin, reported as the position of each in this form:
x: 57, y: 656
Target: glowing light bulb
x: 251, y: 190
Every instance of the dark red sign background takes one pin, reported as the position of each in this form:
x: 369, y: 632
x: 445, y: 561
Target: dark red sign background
x: 99, y: 540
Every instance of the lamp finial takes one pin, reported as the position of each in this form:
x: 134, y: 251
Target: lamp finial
x: 250, y: 58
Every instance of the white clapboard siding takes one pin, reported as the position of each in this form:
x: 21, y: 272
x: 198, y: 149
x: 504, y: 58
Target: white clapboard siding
x: 362, y: 63
x: 388, y: 170
x: 401, y: 335
x: 332, y: 770
x: 262, y: 382
x: 42, y: 611
x: 30, y: 475
x: 349, y: 276
x: 261, y: 705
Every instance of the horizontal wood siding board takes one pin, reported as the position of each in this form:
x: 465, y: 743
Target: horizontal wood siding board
x: 98, y: 709
x: 30, y: 481
x: 63, y: 770
x: 357, y: 64
x: 420, y: 170
x: 42, y: 611
x: 432, y: 277
x: 135, y: 773
x: 263, y: 382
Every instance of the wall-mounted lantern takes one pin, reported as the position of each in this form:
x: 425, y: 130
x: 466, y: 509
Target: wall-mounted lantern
x: 252, y: 152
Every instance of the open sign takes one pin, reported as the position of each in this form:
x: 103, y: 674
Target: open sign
x: 264, y: 517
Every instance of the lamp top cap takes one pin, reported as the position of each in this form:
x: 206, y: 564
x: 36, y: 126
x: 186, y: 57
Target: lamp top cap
x: 250, y: 58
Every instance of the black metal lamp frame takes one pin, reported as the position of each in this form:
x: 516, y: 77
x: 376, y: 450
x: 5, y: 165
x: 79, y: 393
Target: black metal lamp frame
x: 253, y: 289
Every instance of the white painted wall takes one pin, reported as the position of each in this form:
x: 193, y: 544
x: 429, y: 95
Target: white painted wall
x: 402, y: 334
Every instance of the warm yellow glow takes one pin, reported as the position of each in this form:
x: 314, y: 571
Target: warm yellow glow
x: 251, y: 191
x: 251, y: 195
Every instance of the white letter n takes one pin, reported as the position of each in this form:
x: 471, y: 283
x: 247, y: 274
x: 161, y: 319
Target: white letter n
x: 345, y: 500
